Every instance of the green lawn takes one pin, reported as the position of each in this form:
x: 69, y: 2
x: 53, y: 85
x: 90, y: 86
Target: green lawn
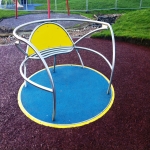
x: 131, y: 25
x: 93, y: 4
x: 10, y: 13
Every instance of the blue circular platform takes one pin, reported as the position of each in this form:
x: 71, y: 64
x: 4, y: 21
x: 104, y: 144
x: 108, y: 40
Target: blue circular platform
x: 81, y: 97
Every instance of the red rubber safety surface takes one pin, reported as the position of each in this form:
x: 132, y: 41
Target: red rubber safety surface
x: 125, y: 126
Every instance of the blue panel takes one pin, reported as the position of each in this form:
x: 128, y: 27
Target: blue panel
x: 80, y: 95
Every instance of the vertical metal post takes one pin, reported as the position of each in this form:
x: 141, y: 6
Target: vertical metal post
x: 116, y: 4
x: 68, y: 9
x: 86, y: 5
x: 16, y: 8
x: 140, y: 4
x: 26, y: 5
x: 48, y: 4
x: 54, y: 64
x: 55, y: 5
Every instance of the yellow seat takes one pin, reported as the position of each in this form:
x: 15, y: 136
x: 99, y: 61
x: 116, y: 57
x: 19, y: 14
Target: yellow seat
x: 50, y: 37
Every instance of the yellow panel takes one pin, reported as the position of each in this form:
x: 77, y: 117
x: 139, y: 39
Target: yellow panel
x: 49, y: 35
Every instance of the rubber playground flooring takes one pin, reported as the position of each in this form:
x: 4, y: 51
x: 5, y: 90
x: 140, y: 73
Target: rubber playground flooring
x: 125, y: 126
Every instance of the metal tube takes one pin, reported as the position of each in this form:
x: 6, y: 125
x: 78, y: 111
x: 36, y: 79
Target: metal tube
x: 89, y: 49
x: 54, y: 62
x: 25, y: 72
x: 60, y: 19
x: 67, y: 4
x: 55, y: 5
x: 89, y: 34
x: 86, y: 5
x: 26, y: 4
x: 80, y: 58
x: 17, y: 45
x: 48, y: 8
x: 16, y: 9
x: 113, y: 58
x: 48, y: 72
x: 140, y: 4
x: 116, y: 4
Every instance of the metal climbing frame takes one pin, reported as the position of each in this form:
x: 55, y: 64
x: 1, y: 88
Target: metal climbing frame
x: 44, y: 52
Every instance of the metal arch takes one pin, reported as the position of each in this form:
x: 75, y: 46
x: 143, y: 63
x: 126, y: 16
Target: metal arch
x: 60, y: 19
x: 33, y: 83
x: 103, y: 28
x: 89, y: 49
x: 48, y: 72
x: 113, y: 59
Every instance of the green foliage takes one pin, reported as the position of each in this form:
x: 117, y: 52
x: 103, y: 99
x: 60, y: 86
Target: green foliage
x: 131, y: 25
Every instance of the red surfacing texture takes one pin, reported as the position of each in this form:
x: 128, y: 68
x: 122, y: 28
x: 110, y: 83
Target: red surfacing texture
x: 125, y: 126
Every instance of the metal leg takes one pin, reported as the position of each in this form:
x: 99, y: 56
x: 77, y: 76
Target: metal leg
x: 54, y: 63
x: 80, y: 58
x: 25, y: 73
x: 54, y: 105
x: 109, y: 86
x: 108, y: 90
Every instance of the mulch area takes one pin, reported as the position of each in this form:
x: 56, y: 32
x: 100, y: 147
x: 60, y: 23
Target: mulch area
x: 126, y: 126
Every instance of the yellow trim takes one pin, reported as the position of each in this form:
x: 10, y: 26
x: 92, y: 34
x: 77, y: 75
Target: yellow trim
x: 68, y: 125
x: 49, y: 35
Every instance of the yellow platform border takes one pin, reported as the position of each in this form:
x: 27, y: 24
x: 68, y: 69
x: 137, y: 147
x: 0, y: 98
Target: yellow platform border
x: 67, y: 125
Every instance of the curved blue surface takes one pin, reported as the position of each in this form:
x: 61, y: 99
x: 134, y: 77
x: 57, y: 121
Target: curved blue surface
x: 80, y: 92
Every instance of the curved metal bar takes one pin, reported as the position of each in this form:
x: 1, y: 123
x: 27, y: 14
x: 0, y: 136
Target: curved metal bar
x: 54, y: 64
x: 89, y: 34
x: 51, y: 52
x: 81, y: 61
x: 31, y: 82
x: 20, y: 48
x: 113, y: 58
x: 25, y: 71
x: 52, y: 20
x: 83, y: 38
x: 49, y: 74
x: 42, y: 87
x: 89, y: 49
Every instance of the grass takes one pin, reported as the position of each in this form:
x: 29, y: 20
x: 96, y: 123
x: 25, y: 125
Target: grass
x: 131, y: 26
x: 90, y: 14
x: 93, y: 4
x: 10, y: 13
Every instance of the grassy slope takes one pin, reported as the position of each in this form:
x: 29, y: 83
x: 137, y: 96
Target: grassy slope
x: 132, y: 25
